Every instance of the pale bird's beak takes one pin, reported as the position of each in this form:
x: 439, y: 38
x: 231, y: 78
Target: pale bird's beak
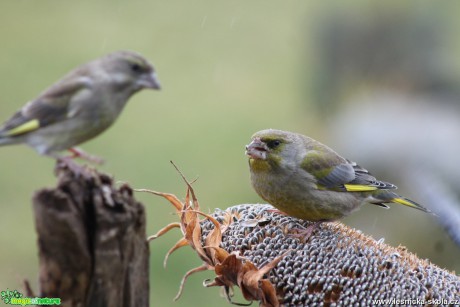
x: 149, y: 81
x: 257, y: 149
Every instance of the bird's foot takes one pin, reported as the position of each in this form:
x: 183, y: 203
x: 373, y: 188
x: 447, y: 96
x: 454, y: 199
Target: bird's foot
x: 68, y: 164
x: 276, y: 211
x: 299, y: 232
x: 302, y: 233
x: 79, y: 153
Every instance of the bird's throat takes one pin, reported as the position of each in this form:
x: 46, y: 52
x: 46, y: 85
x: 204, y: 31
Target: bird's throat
x: 258, y: 165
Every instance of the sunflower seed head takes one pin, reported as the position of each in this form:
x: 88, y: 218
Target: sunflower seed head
x: 337, y: 265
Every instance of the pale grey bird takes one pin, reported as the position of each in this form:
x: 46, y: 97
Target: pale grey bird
x: 81, y: 105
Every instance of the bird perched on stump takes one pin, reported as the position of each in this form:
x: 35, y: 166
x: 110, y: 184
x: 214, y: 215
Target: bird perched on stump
x: 308, y: 180
x: 81, y: 105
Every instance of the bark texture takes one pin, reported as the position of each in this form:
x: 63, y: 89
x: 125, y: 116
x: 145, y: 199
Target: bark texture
x: 91, y: 239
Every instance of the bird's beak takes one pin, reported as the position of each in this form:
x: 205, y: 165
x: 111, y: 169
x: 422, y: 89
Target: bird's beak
x: 257, y: 149
x: 149, y: 81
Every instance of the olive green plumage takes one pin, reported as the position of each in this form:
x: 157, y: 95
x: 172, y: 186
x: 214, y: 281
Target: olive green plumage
x: 310, y: 181
x: 81, y: 105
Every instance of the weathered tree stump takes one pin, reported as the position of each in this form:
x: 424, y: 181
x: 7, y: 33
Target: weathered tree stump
x: 91, y: 239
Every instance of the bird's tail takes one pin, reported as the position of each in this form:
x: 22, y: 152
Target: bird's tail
x: 380, y: 197
x: 407, y: 202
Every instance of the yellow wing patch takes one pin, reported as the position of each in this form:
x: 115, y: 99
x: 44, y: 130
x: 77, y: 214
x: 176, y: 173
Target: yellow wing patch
x: 31, y: 125
x: 359, y: 188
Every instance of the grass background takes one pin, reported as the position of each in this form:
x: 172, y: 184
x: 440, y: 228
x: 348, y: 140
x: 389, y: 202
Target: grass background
x: 228, y: 69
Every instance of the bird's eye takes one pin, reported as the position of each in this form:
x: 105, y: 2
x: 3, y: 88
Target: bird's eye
x: 136, y: 68
x: 273, y: 144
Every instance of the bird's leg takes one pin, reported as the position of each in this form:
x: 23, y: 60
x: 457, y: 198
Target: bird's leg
x: 68, y: 162
x: 299, y: 231
x: 303, y: 233
x: 277, y: 211
x: 79, y: 153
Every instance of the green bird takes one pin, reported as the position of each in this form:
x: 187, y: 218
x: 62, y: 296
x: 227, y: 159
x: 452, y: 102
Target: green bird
x: 81, y: 105
x: 308, y: 180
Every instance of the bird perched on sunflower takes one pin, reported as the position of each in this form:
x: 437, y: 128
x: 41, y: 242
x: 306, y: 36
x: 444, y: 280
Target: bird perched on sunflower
x: 308, y: 180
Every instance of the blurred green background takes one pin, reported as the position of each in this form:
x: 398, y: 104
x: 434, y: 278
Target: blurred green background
x: 229, y: 69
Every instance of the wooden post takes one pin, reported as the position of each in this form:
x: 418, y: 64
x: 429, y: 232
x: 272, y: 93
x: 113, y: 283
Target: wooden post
x: 92, y: 241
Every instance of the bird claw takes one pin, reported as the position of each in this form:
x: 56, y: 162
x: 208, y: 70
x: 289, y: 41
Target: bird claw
x: 276, y: 211
x: 79, y: 153
x: 302, y: 233
x: 79, y: 171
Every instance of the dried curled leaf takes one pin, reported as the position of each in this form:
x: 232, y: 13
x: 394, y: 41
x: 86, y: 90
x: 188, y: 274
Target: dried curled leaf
x: 243, y: 273
x: 230, y: 269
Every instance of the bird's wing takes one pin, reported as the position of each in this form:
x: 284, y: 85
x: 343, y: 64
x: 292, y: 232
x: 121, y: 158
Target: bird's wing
x: 365, y: 181
x: 333, y: 172
x: 51, y: 107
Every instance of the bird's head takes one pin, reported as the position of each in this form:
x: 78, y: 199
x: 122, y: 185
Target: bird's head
x: 129, y: 71
x: 271, y: 147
